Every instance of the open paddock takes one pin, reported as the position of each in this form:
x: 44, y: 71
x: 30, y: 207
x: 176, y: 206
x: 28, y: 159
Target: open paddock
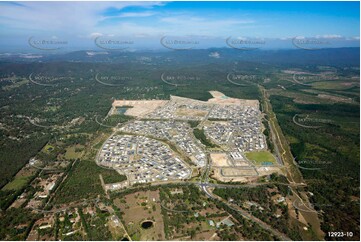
x: 232, y: 172
x: 139, y: 207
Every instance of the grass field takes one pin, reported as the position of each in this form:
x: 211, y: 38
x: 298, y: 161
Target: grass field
x: 71, y: 152
x: 47, y: 148
x: 18, y: 183
x: 340, y: 85
x: 261, y: 157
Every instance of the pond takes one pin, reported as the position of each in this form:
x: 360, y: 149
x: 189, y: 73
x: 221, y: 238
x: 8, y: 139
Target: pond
x: 147, y: 224
x: 121, y: 110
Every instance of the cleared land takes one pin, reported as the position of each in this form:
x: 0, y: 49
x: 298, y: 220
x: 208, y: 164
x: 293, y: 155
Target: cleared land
x: 334, y: 85
x: 235, y: 172
x: 217, y: 175
x: 220, y: 98
x: 74, y: 152
x: 17, y: 183
x: 21, y: 179
x: 220, y: 159
x: 139, y: 107
x: 139, y: 207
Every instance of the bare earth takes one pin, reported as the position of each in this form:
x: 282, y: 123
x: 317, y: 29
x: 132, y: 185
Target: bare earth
x: 139, y: 107
x: 219, y: 159
x: 220, y: 98
x: 236, y: 178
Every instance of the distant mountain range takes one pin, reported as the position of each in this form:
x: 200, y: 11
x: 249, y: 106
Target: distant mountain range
x: 349, y: 56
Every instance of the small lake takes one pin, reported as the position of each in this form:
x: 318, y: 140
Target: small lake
x: 121, y: 110
x: 147, y: 224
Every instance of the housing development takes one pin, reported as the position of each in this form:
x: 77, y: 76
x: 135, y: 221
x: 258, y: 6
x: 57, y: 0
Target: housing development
x: 142, y: 159
x: 161, y: 144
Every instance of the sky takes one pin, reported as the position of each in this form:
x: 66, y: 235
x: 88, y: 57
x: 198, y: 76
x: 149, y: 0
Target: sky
x: 157, y: 25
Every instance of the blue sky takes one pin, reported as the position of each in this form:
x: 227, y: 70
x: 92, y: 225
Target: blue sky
x: 79, y: 23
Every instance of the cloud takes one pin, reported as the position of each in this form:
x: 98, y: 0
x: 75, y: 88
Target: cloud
x: 90, y: 19
x: 94, y: 35
x: 65, y: 17
x: 214, y: 55
x: 136, y: 14
x: 145, y: 22
x: 354, y: 38
x: 204, y: 26
x: 325, y: 36
x: 329, y: 36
